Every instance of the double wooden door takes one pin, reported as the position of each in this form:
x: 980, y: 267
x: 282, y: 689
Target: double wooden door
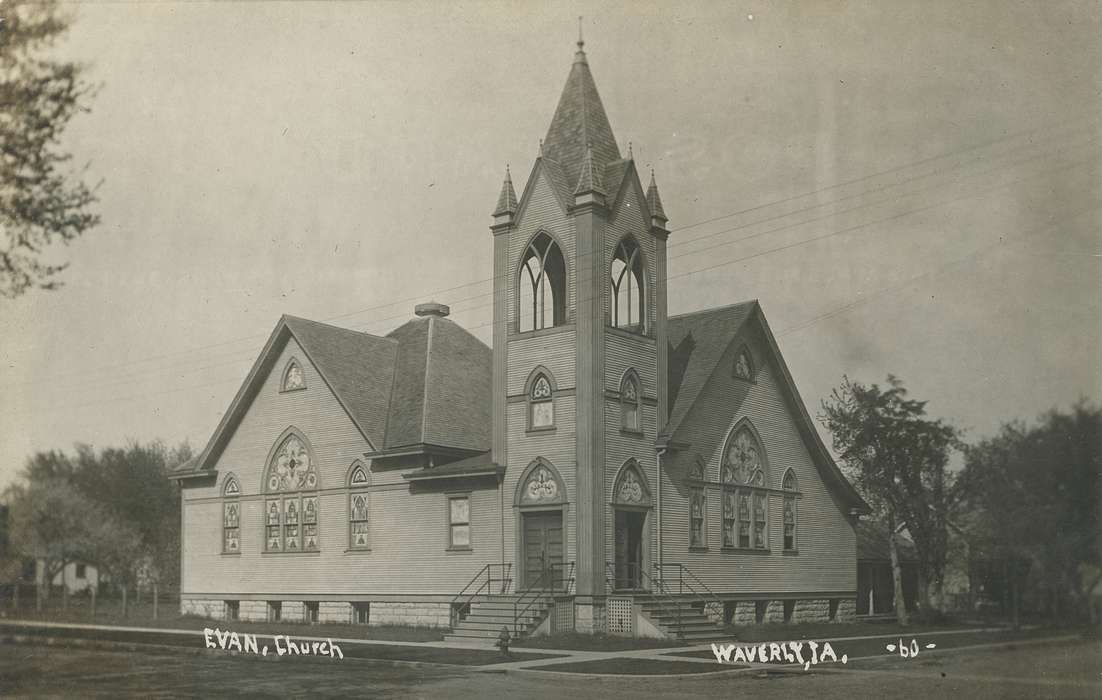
x: 543, y: 549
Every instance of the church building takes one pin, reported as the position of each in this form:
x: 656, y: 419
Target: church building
x: 604, y: 467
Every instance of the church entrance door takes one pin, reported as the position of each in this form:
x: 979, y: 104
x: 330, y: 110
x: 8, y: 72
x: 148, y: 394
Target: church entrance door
x: 629, y: 549
x: 543, y: 549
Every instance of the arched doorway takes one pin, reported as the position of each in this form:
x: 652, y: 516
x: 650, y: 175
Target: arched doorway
x: 540, y: 500
x: 631, y: 506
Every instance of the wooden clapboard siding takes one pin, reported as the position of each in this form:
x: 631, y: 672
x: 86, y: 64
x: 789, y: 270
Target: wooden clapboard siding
x: 408, y: 528
x: 826, y: 541
x: 558, y: 448
x: 636, y: 352
x: 554, y: 350
x: 542, y: 212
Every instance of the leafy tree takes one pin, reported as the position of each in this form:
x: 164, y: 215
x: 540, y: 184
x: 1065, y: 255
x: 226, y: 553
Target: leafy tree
x: 40, y: 204
x: 1033, y: 497
x: 898, y: 458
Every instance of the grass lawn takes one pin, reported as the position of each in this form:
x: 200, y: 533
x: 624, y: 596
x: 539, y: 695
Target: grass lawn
x: 627, y: 666
x: 109, y: 612
x: 595, y: 642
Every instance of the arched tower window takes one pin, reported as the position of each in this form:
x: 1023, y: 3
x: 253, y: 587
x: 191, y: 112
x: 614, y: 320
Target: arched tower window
x: 790, y: 487
x: 357, y: 507
x: 627, y: 291
x: 631, y: 403
x: 745, y: 499
x: 231, y: 516
x: 293, y: 378
x: 291, y: 508
x: 541, y: 401
x: 541, y: 285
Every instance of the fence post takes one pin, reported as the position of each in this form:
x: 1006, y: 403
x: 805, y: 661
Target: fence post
x: 155, y: 600
x: 94, y: 591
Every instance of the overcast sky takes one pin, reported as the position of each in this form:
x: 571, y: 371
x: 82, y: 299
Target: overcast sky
x: 907, y: 187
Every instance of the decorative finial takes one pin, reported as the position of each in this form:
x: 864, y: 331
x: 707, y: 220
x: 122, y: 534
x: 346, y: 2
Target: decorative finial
x: 581, y: 41
x: 631, y: 156
x: 509, y: 176
x: 541, y: 148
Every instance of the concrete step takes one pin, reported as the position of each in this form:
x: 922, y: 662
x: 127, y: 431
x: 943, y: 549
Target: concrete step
x: 493, y: 625
x: 498, y: 619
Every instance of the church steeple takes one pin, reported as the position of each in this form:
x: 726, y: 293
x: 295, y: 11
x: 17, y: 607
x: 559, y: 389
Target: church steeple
x: 579, y: 124
x: 507, y: 200
x: 654, y: 202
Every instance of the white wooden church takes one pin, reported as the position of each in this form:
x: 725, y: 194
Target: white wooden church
x: 604, y: 467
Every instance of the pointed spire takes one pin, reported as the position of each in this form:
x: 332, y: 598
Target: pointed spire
x: 590, y: 178
x: 579, y: 123
x: 654, y: 202
x: 579, y: 55
x: 507, y: 200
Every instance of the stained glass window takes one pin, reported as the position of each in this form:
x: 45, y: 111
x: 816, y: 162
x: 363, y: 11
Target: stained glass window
x: 743, y: 368
x: 358, y: 521
x: 231, y: 527
x: 631, y: 489
x: 759, y: 520
x: 274, y: 520
x: 291, y: 521
x: 743, y: 520
x: 742, y: 463
x: 696, y: 517
x: 293, y: 378
x: 541, y: 486
x: 789, y: 483
x: 730, y: 507
x: 459, y: 522
x: 541, y: 403
x: 630, y: 404
x: 789, y: 522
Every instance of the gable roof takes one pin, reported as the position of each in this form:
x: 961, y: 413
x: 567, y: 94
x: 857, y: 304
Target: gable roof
x: 381, y: 384
x: 698, y: 342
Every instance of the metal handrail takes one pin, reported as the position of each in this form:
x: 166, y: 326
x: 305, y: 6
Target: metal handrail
x: 682, y: 583
x: 542, y: 588
x: 463, y: 598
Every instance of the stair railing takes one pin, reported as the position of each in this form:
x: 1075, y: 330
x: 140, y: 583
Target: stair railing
x: 688, y: 583
x: 556, y: 579
x: 483, y: 583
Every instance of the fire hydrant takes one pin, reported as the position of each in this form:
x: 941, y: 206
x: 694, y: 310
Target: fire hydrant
x: 503, y: 640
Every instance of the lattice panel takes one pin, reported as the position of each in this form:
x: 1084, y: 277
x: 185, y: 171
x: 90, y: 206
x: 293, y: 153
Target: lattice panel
x: 563, y: 616
x: 621, y: 616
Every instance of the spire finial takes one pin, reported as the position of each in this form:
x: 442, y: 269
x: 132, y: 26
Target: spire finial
x: 581, y: 41
x: 631, y: 155
x: 541, y: 148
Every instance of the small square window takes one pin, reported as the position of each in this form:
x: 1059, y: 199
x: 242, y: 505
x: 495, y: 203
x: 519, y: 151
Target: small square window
x: 310, y: 609
x: 361, y: 613
x: 233, y: 610
x: 82, y: 570
x: 275, y: 611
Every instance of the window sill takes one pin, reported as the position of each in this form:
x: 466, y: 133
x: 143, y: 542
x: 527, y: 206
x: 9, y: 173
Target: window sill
x: 358, y: 550
x: 698, y: 548
x: 561, y: 328
x: 540, y: 430
x: 628, y: 333
x: 791, y: 552
x: 631, y: 433
x: 231, y: 554
x: 459, y: 550
x: 747, y: 550
x: 310, y: 553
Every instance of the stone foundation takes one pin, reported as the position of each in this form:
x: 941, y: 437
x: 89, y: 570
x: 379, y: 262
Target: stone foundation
x: 419, y: 614
x: 811, y: 611
x: 589, y: 618
x: 847, y: 610
x: 714, y: 612
x: 774, y: 612
x: 214, y: 609
x: 340, y: 613
x: 745, y: 613
x: 292, y: 611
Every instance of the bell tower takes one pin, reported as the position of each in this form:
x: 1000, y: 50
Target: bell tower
x: 579, y: 373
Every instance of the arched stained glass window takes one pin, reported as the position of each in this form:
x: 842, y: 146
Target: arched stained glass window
x: 541, y: 402
x: 744, y: 368
x: 790, y: 511
x: 541, y: 285
x: 292, y: 377
x: 627, y: 308
x: 745, y: 501
x: 231, y: 516
x: 631, y: 403
x: 290, y: 515
x: 358, y: 529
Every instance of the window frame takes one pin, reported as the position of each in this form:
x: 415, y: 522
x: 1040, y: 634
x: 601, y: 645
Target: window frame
x: 631, y: 377
x: 531, y: 401
x: 744, y: 352
x: 292, y: 363
x: 356, y: 489
x: 630, y: 253
x: 698, y: 490
x: 231, y: 492
x: 546, y: 280
x: 790, y: 485
x: 751, y: 497
x: 297, y: 497
x: 451, y: 524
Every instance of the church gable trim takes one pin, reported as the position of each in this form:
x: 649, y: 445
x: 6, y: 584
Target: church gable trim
x: 543, y: 167
x: 262, y: 368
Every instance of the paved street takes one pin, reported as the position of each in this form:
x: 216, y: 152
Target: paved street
x: 1063, y: 670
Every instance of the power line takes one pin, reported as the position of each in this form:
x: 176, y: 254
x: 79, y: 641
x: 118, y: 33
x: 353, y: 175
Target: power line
x: 245, y: 354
